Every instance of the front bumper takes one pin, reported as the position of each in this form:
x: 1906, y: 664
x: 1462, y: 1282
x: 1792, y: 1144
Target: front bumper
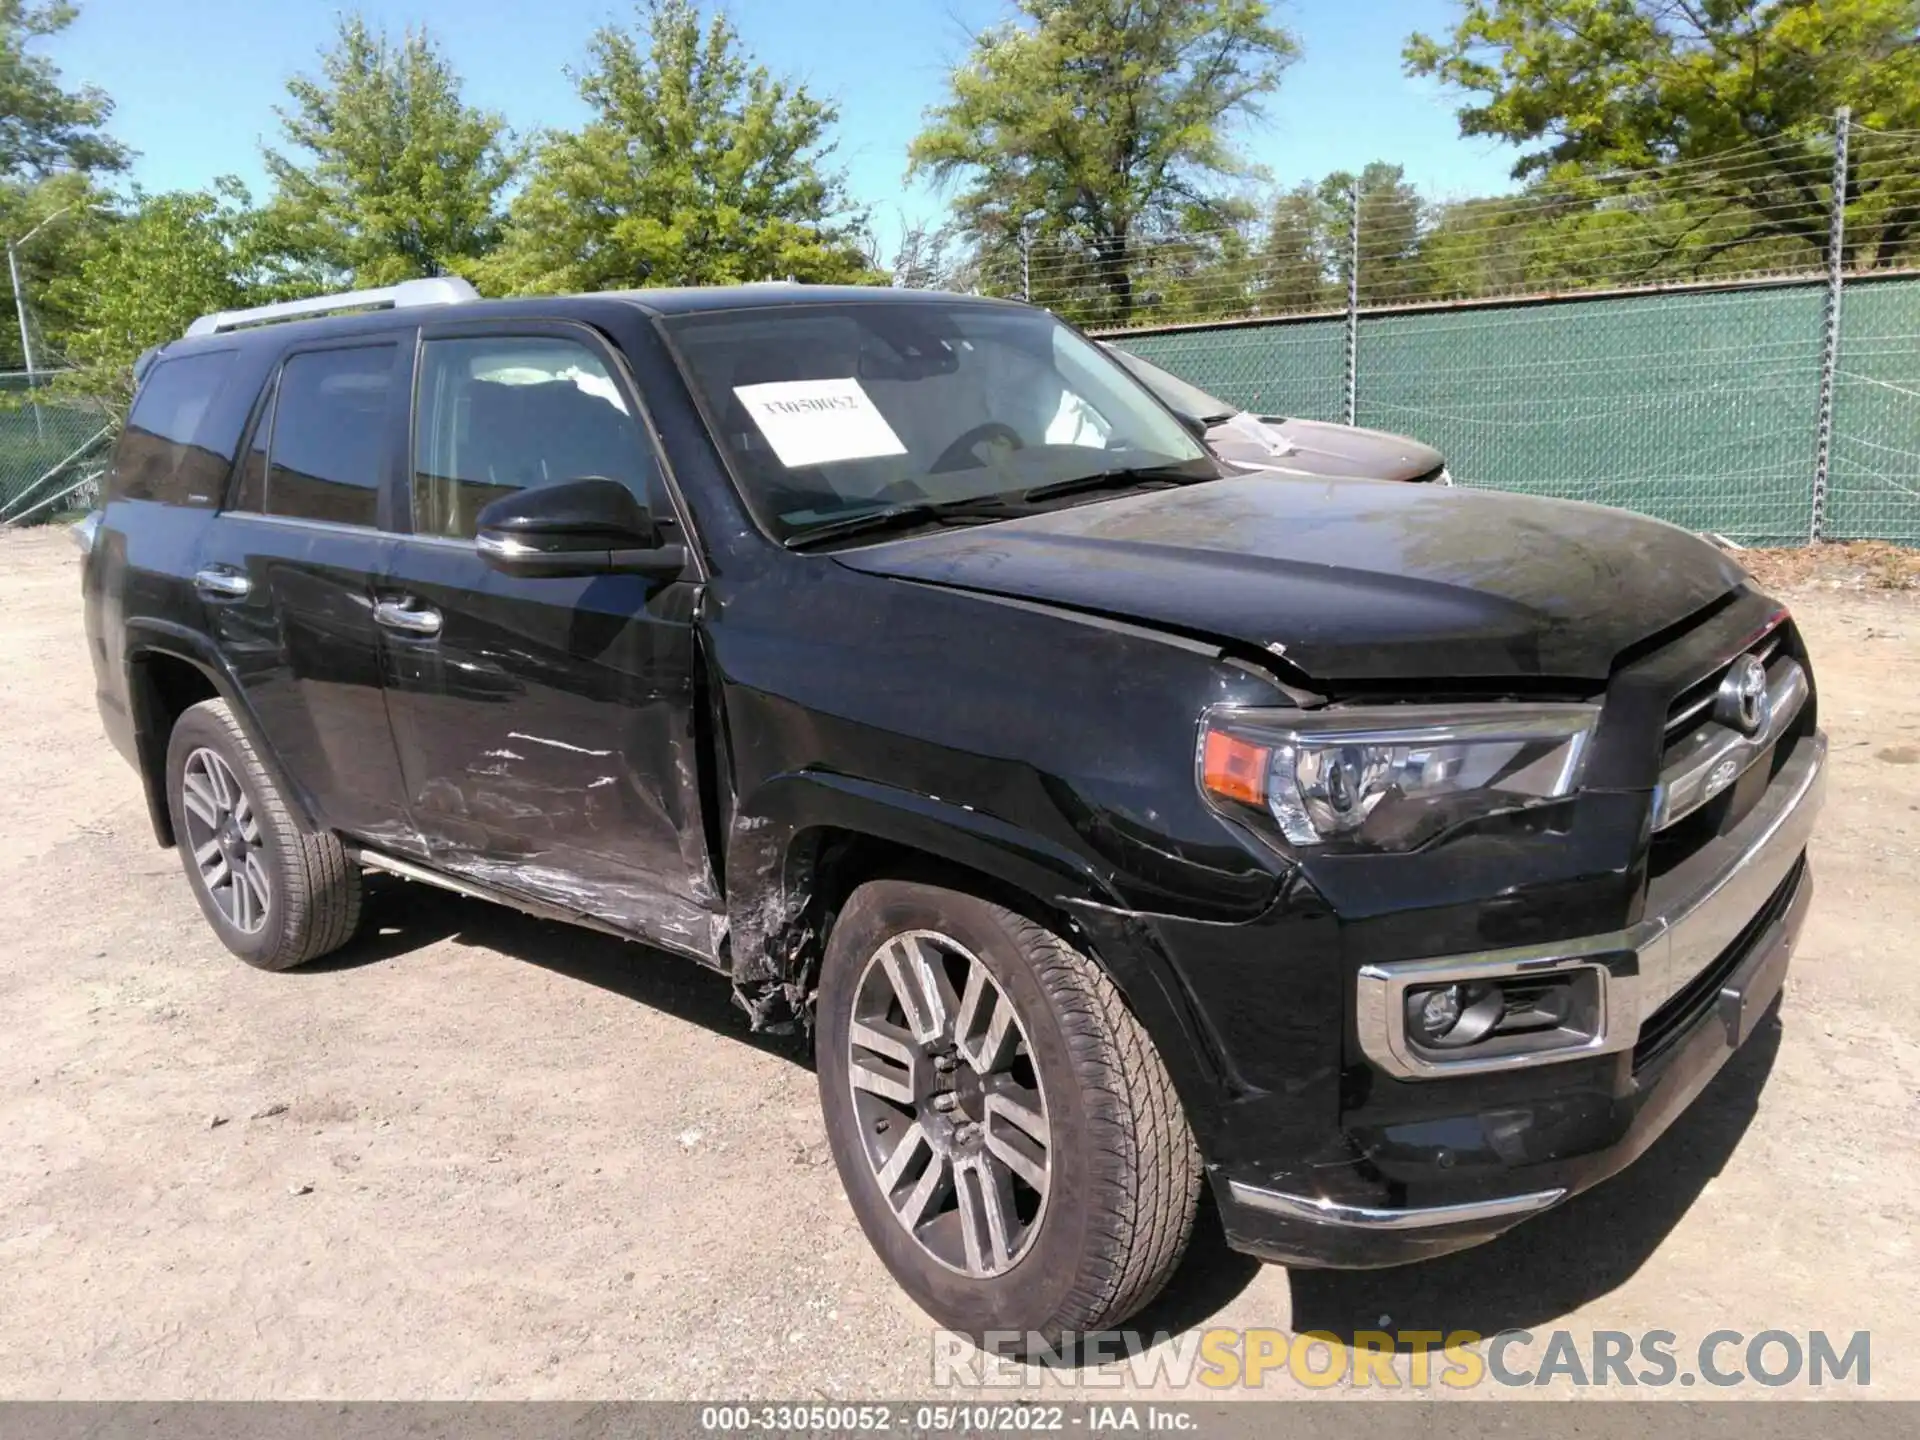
x: 1683, y: 988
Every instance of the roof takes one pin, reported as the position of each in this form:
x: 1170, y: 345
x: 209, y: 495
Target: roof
x: 667, y: 300
x: 690, y: 299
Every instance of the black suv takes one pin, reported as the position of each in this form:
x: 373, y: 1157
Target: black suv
x: 1398, y: 860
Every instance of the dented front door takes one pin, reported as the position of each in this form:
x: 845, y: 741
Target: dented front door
x: 545, y: 726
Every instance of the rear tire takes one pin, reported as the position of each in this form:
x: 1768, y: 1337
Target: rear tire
x: 1095, y: 1214
x: 276, y: 894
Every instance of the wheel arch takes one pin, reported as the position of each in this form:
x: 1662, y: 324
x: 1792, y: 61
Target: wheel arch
x: 810, y: 839
x: 169, y: 670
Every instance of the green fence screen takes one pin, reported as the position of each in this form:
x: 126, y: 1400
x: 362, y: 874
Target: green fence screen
x: 1873, y: 491
x: 1699, y: 407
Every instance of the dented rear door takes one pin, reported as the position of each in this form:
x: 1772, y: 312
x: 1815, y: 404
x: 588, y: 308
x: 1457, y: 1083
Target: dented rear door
x: 545, y: 726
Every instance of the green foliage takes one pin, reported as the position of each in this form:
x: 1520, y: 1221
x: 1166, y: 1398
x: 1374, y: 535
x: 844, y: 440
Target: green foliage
x: 699, y: 167
x: 395, y: 176
x: 1392, y: 265
x: 64, y: 216
x: 152, y: 271
x: 1298, y: 257
x: 45, y: 129
x: 1103, y: 125
x: 935, y: 257
x: 51, y: 150
x: 1585, y: 85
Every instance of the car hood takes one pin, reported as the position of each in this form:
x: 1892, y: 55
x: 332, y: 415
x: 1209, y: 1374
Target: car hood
x: 1347, y: 579
x: 1314, y: 447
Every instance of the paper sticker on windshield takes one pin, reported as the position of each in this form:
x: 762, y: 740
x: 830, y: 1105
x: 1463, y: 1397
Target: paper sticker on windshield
x: 815, y: 422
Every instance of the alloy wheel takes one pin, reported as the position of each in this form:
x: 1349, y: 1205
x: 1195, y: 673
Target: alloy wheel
x: 952, y: 1111
x: 224, y: 835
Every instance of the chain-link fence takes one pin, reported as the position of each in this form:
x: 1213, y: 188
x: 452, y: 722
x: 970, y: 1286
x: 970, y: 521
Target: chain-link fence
x: 1873, y: 487
x: 1726, y: 344
x: 1699, y: 407
x: 50, y: 444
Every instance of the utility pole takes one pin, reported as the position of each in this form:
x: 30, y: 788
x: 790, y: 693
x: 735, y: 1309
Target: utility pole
x: 20, y: 311
x: 26, y: 342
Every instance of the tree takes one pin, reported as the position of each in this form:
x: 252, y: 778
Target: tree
x: 1103, y: 125
x: 1391, y: 270
x: 1295, y: 260
x: 52, y: 153
x: 396, y: 177
x: 64, y: 215
x: 167, y: 260
x: 1587, y: 85
x: 44, y: 129
x: 935, y: 258
x: 699, y: 167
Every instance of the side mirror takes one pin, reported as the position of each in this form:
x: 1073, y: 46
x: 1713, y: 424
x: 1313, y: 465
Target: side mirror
x: 1192, y: 424
x: 584, y: 527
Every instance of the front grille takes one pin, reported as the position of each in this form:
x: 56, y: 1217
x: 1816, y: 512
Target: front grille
x: 1675, y: 1018
x: 1692, y: 708
x: 1691, y: 728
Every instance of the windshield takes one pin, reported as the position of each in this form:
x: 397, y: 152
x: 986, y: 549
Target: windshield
x: 1176, y: 394
x: 824, y: 412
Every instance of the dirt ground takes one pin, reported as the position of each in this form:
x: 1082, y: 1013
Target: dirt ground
x: 480, y: 1156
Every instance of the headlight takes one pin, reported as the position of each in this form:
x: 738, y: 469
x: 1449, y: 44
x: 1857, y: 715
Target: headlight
x: 1391, y: 777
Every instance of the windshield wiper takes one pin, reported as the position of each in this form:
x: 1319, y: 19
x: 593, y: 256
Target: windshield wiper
x: 984, y: 508
x: 1117, y: 480
x: 906, y: 517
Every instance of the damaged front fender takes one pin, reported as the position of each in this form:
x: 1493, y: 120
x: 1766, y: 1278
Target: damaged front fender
x: 809, y: 837
x: 783, y: 864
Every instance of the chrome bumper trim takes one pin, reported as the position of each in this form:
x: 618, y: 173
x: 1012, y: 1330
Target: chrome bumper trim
x: 1714, y: 756
x: 1678, y: 945
x: 1638, y: 970
x: 1367, y: 1217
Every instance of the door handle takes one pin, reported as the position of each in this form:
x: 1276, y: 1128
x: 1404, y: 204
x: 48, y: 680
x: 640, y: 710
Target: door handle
x: 217, y: 582
x: 403, y: 615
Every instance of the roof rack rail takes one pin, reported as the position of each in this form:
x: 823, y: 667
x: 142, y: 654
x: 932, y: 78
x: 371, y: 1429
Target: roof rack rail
x: 443, y: 290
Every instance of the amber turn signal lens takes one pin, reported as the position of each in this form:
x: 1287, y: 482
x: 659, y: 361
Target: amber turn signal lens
x: 1235, y: 769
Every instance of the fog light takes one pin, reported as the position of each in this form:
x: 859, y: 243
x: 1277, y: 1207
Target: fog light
x: 1439, y: 1012
x: 1448, y: 1016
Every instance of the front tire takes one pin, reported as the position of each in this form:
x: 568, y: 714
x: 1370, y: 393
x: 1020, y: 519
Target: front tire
x: 275, y: 894
x: 1005, y: 1129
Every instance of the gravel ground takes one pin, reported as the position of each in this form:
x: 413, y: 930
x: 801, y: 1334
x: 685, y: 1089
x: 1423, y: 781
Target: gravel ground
x: 481, y: 1156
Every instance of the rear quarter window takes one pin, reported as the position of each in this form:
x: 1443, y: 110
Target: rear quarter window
x: 179, y: 439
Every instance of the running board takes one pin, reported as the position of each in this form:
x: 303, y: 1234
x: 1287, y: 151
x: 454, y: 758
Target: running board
x: 474, y: 890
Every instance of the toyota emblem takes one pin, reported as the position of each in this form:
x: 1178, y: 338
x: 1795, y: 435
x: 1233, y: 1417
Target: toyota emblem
x: 1742, y: 702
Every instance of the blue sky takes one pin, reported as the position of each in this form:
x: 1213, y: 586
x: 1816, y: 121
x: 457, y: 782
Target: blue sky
x: 196, y: 81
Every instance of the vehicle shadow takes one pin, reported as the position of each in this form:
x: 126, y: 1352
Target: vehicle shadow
x: 401, y: 916
x: 1550, y: 1266
x: 1211, y: 1276
x: 1534, y: 1274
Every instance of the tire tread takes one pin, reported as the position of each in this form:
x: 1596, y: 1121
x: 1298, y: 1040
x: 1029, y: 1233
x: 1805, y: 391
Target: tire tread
x: 319, y: 884
x: 1142, y: 1215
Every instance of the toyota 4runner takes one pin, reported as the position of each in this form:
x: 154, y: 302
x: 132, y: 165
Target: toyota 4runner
x: 1395, y: 861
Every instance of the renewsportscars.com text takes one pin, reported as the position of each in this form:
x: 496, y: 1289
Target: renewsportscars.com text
x: 1223, y: 1359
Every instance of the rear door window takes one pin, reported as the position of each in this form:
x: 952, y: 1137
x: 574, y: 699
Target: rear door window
x: 325, y: 455
x: 174, y: 447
